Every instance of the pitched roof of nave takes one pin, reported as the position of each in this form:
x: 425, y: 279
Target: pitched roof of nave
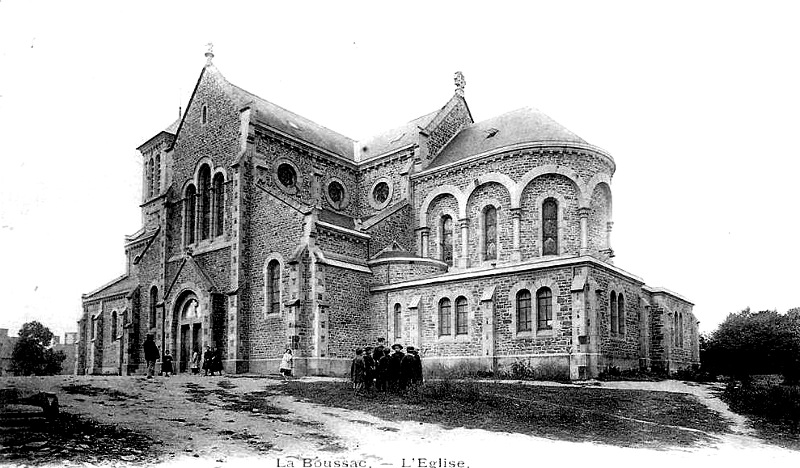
x: 395, y: 138
x: 296, y: 125
x: 123, y: 284
x: 526, y: 125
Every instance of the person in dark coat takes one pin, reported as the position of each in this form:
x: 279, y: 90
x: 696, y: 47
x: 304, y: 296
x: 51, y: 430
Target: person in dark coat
x: 357, y: 370
x: 393, y: 371
x: 150, y: 355
x: 416, y: 376
x: 408, y: 366
x: 166, y: 364
x: 208, y: 356
x: 216, y: 363
x: 369, y: 368
x: 382, y: 373
x: 377, y: 353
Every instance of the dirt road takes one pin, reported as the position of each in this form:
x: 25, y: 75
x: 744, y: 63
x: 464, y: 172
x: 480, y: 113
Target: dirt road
x: 246, y: 421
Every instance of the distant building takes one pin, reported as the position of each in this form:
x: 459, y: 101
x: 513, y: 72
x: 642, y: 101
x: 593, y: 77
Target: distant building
x: 485, y: 243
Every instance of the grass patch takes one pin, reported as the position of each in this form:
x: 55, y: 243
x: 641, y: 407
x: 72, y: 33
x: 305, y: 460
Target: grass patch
x: 564, y: 413
x: 773, y: 408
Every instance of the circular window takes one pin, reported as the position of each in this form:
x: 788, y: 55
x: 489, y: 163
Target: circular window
x: 287, y: 176
x: 336, y: 195
x: 380, y: 194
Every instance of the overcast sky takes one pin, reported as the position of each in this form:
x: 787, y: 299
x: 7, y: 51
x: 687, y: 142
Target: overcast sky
x: 696, y: 101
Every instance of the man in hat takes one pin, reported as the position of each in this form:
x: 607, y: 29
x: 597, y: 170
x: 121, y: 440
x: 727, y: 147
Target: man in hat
x: 393, y: 371
x: 150, y: 355
x: 357, y: 370
x: 369, y: 368
x: 407, y: 368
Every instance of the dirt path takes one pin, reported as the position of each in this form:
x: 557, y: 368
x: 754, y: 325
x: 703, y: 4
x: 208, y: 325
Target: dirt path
x: 244, y: 421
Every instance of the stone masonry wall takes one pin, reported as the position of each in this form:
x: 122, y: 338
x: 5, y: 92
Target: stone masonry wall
x: 276, y: 232
x: 394, y: 228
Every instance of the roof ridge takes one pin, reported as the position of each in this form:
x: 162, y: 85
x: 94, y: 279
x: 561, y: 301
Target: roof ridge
x: 288, y: 111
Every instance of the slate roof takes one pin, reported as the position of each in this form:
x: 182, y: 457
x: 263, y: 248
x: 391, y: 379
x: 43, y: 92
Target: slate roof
x: 337, y: 219
x: 526, y: 125
x: 297, y: 126
x: 394, y: 138
x: 173, y: 127
x: 122, y: 284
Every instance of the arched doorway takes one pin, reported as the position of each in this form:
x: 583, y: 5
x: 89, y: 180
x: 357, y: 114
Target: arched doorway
x: 190, y: 327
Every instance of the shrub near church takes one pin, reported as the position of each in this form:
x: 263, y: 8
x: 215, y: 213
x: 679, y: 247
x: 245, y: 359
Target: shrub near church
x: 486, y: 243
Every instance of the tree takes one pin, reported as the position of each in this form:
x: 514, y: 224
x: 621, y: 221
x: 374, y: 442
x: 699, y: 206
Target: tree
x: 33, y: 353
x: 749, y: 343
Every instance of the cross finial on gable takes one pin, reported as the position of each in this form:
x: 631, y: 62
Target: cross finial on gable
x: 209, y: 53
x: 460, y: 83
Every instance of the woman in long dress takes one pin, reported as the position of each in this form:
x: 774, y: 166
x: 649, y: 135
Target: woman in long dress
x: 287, y: 363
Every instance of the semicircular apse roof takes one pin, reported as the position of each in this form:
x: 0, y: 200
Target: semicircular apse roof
x: 526, y: 125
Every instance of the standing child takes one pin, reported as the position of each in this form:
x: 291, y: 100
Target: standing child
x: 195, y: 364
x: 287, y: 363
x: 357, y: 370
x: 166, y: 364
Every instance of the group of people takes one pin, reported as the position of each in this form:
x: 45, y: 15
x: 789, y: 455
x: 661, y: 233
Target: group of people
x: 386, y: 369
x: 211, y: 360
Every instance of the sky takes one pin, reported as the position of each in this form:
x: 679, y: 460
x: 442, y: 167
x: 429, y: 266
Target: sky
x: 696, y: 101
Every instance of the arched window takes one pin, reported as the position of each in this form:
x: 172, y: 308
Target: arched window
x: 219, y: 204
x: 621, y: 314
x: 490, y: 233
x: 461, y: 316
x: 205, y: 201
x: 444, y: 317
x: 113, y: 325
x: 148, y: 191
x: 613, y: 313
x: 447, y: 240
x: 273, y: 282
x: 550, y: 227
x: 544, y: 309
x: 157, y: 177
x: 524, y: 311
x: 398, y: 322
x: 153, y: 301
x: 191, y: 214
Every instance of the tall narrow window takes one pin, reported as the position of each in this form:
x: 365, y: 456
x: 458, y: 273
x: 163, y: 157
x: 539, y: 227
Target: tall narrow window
x: 273, y: 287
x: 149, y: 171
x: 524, y: 311
x: 461, y: 316
x: 490, y: 233
x: 613, y: 312
x: 621, y: 314
x: 191, y: 214
x: 398, y: 322
x: 544, y: 309
x: 113, y: 325
x: 219, y: 204
x: 550, y: 227
x: 157, y: 177
x: 153, y: 301
x: 444, y: 317
x: 205, y: 201
x: 205, y: 114
x: 675, y: 329
x: 447, y: 240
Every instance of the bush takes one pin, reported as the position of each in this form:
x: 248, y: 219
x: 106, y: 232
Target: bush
x: 460, y: 370
x: 771, y: 400
x: 33, y: 354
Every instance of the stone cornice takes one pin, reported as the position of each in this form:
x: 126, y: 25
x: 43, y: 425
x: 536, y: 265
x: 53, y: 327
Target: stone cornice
x: 384, y: 157
x: 409, y: 259
x: 508, y: 269
x: 342, y: 230
x: 666, y: 292
x: 538, y: 145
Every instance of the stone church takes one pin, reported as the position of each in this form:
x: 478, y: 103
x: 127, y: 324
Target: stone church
x: 480, y: 243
